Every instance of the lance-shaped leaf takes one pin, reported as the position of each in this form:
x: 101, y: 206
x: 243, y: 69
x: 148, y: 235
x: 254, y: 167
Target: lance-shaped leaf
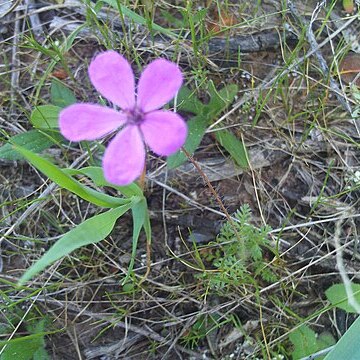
x: 67, y: 182
x: 89, y: 232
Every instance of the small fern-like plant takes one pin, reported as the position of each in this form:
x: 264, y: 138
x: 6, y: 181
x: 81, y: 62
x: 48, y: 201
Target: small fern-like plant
x: 239, y: 258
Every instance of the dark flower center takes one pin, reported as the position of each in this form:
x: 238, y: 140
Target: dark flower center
x: 134, y: 116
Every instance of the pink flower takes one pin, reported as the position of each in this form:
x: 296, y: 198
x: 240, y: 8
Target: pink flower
x: 139, y: 120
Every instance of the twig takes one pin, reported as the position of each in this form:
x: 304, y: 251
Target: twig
x: 140, y: 330
x: 35, y: 22
x: 15, y: 73
x: 13, y: 7
x: 318, y: 353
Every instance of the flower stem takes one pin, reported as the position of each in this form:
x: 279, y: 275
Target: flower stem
x: 142, y: 178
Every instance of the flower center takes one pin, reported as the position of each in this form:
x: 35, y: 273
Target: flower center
x: 134, y: 116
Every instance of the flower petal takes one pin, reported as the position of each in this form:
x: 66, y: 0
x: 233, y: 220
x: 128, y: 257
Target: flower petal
x: 164, y: 131
x: 124, y: 157
x: 158, y: 84
x: 112, y: 76
x: 89, y: 121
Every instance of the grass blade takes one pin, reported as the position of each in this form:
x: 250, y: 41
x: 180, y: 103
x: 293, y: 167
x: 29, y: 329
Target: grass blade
x: 138, y: 19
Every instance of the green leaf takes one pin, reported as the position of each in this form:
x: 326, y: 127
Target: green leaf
x: 233, y: 146
x: 172, y: 20
x: 138, y: 19
x: 196, y: 130
x: 304, y: 341
x: 68, y: 183
x: 45, y: 116
x: 140, y: 217
x: 199, y: 16
x: 90, y: 231
x: 33, y: 140
x: 183, y: 23
x: 61, y: 95
x: 96, y: 174
x: 27, y: 347
x: 41, y: 354
x: 220, y: 100
x: 197, y: 126
x: 348, y: 346
x: 336, y: 294
x: 22, y: 348
x: 324, y: 341
x: 147, y: 226
x: 188, y: 101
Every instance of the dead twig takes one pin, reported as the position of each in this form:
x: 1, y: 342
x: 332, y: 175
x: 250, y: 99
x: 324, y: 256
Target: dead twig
x: 13, y: 7
x: 36, y: 25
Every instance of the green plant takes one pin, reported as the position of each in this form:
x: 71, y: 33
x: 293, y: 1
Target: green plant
x: 239, y: 256
x: 205, y: 114
x: 198, y: 331
x: 306, y: 342
x: 31, y: 344
x: 30, y: 347
x: 205, y: 325
x: 347, y: 347
x: 28, y: 144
